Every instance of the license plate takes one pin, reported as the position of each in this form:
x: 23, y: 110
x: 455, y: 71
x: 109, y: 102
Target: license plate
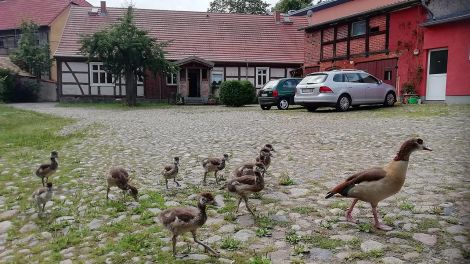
x: 308, y: 90
x: 264, y: 95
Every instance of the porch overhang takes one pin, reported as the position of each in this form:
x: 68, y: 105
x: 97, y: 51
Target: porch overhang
x: 194, y: 59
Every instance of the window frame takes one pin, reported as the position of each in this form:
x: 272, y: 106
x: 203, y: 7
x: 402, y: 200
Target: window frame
x: 258, y: 85
x: 364, y: 22
x: 173, y: 77
x: 221, y: 72
x: 99, y: 71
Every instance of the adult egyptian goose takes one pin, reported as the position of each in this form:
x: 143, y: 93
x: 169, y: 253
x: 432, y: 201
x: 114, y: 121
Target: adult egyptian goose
x: 46, y: 170
x: 119, y: 177
x: 376, y: 184
x: 214, y: 165
x: 171, y: 171
x: 188, y: 219
x: 246, y: 185
x: 41, y: 196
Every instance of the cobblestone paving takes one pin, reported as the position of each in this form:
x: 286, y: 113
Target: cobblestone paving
x: 296, y: 224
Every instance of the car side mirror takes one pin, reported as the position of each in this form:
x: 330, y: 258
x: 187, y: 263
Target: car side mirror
x: 380, y: 81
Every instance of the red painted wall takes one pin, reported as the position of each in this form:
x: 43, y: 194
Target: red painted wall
x: 456, y: 37
x: 406, y: 36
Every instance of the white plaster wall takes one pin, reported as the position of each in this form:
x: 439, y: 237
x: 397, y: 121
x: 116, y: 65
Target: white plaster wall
x: 232, y: 71
x: 68, y: 77
x: 277, y: 72
x: 68, y: 89
x: 76, y: 66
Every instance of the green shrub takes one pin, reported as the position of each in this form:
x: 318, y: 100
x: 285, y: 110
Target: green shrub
x: 12, y: 89
x: 236, y: 93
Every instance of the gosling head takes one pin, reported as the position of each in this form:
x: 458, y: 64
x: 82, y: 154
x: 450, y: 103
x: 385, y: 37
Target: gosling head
x: 207, y: 199
x: 177, y: 160
x: 225, y: 157
x: 54, y: 155
x: 49, y: 186
x: 133, y: 192
x: 270, y: 147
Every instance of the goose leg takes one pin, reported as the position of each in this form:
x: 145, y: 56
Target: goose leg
x: 174, y: 245
x: 42, y: 179
x: 215, y: 175
x: 349, y: 217
x: 43, y: 207
x: 247, y: 207
x: 238, y: 206
x: 107, y: 193
x: 204, y: 245
x: 166, y: 183
x: 204, y: 181
x: 377, y: 223
x: 177, y: 183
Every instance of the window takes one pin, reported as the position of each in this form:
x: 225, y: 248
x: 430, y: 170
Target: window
x: 262, y: 76
x: 339, y: 78
x: 367, y: 78
x: 314, y: 79
x: 387, y: 75
x: 358, y: 28
x: 171, y: 79
x: 353, y: 77
x: 289, y: 84
x: 99, y: 76
x: 438, y: 62
x: 217, y: 78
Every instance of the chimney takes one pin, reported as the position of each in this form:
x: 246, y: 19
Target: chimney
x: 103, y: 8
x: 277, y: 17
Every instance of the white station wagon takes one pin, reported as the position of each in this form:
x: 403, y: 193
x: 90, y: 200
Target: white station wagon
x: 342, y: 89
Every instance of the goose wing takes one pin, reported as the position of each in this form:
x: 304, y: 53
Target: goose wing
x: 373, y: 174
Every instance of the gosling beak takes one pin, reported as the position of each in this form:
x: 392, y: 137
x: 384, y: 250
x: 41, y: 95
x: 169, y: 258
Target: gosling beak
x: 426, y: 148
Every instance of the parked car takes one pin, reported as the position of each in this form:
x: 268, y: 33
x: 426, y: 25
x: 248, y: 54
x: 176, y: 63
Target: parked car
x: 278, y: 93
x: 342, y: 89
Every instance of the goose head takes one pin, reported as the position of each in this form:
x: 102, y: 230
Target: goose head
x: 207, y: 199
x: 225, y: 157
x: 177, y: 160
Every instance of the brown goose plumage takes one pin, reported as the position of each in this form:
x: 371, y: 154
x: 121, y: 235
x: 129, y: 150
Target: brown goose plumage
x: 171, y: 171
x: 119, y: 177
x: 214, y: 165
x: 245, y: 185
x: 188, y: 219
x: 376, y: 184
x: 47, y: 169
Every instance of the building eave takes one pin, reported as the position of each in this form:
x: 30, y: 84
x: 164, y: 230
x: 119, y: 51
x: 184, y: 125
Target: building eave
x: 440, y: 21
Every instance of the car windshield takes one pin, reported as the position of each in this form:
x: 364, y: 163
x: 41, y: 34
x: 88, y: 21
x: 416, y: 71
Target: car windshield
x: 270, y: 85
x: 314, y: 79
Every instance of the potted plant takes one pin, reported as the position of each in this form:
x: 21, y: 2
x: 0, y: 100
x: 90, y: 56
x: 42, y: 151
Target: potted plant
x: 408, y: 91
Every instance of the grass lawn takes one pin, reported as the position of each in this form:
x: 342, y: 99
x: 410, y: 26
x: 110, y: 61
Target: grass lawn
x: 116, y: 105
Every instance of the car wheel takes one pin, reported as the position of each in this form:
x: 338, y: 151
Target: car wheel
x: 265, y: 107
x: 311, y: 108
x: 283, y: 104
x: 389, y: 99
x: 343, y: 103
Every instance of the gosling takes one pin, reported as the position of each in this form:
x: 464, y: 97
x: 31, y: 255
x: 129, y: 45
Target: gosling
x: 214, y: 165
x: 171, y: 171
x: 41, y: 196
x: 47, y: 169
x: 119, y: 177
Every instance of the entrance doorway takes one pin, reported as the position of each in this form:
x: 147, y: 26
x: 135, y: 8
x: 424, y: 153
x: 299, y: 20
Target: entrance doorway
x: 437, y: 75
x: 194, y: 82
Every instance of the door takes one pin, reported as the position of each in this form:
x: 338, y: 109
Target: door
x: 437, y: 75
x: 374, y: 93
x: 385, y: 70
x: 355, y: 88
x: 194, y: 82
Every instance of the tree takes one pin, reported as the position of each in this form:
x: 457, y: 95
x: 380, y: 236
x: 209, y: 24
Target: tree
x: 285, y: 5
x: 127, y: 50
x: 256, y: 7
x: 32, y: 55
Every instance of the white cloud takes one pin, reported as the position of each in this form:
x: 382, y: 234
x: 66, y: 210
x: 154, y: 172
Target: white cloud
x: 187, y: 5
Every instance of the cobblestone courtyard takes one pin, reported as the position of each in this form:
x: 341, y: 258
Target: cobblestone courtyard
x: 296, y: 224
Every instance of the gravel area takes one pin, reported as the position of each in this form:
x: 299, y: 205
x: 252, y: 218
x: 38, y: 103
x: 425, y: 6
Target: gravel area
x: 316, y: 150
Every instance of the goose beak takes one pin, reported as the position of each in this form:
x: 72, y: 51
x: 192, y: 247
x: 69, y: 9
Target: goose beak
x: 426, y: 148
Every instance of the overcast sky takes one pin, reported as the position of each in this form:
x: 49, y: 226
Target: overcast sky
x: 188, y: 5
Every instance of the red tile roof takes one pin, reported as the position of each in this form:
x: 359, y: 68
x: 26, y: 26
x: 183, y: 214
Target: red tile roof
x: 212, y: 36
x: 42, y: 12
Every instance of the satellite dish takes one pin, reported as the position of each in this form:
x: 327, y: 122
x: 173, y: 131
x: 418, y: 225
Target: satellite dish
x: 309, y: 13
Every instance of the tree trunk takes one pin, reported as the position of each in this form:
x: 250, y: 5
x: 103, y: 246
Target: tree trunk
x: 131, y: 88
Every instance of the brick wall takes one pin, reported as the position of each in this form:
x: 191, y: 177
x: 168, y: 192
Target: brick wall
x: 312, y: 48
x: 357, y: 46
x: 378, y: 21
x: 377, y: 43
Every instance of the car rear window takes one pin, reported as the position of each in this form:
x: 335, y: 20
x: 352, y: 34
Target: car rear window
x: 339, y: 78
x: 314, y: 79
x: 270, y: 85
